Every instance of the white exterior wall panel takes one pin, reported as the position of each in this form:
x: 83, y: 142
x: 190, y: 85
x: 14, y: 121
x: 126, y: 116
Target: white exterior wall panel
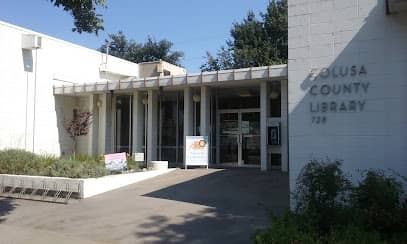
x: 335, y: 33
x: 56, y: 60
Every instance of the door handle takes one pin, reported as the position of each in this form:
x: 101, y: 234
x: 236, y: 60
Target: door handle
x: 239, y: 139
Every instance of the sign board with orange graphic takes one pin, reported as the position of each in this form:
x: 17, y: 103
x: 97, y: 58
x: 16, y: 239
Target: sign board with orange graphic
x: 197, y: 151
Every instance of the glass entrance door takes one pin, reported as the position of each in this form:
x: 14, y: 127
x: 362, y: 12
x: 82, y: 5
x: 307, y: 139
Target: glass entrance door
x: 229, y: 137
x: 239, y: 137
x: 250, y: 129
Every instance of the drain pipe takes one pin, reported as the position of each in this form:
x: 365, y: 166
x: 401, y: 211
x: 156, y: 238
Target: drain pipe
x: 35, y: 97
x: 26, y: 113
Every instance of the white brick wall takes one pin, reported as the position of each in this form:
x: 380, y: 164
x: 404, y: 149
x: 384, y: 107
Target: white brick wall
x: 332, y: 33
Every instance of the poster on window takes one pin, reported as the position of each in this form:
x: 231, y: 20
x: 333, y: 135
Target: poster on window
x: 138, y: 157
x: 197, y: 151
x: 115, y: 161
x: 245, y: 127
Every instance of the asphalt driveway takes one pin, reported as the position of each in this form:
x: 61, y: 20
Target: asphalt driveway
x: 184, y: 206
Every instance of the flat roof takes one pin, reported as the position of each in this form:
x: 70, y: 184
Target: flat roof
x: 273, y: 72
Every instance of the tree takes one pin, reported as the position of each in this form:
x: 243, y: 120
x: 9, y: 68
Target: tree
x: 223, y: 60
x: 78, y: 126
x: 254, y: 42
x: 119, y: 46
x: 84, y: 13
x: 151, y: 50
x: 249, y: 45
x: 276, y: 26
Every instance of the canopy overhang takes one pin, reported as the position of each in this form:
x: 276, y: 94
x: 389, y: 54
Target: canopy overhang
x: 274, y: 72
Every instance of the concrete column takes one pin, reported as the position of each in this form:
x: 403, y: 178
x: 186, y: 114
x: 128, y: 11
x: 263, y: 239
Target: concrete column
x: 152, y: 125
x: 102, y: 124
x: 109, y: 125
x: 105, y: 124
x: 205, y: 111
x: 138, y: 122
x: 263, y: 125
x: 205, y: 123
x: 188, y: 115
x: 284, y: 126
x: 94, y: 127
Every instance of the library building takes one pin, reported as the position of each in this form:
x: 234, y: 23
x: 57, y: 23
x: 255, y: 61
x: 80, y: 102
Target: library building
x: 341, y: 96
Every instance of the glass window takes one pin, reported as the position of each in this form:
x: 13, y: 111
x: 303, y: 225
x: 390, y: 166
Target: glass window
x: 275, y: 99
x: 169, y: 154
x: 275, y: 159
x: 238, y: 98
x: 172, y: 128
x: 144, y: 124
x: 229, y: 123
x: 213, y: 129
x: 237, y: 102
x: 123, y: 124
x: 197, y: 119
x: 181, y: 119
x: 250, y: 123
x: 168, y: 123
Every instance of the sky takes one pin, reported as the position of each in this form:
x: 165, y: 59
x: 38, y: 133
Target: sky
x: 193, y: 26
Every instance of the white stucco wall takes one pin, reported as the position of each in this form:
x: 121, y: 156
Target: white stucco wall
x: 56, y: 60
x: 344, y: 33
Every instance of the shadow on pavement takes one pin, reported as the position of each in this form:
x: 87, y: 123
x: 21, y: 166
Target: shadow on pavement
x: 6, y: 206
x: 207, y: 226
x: 237, y: 202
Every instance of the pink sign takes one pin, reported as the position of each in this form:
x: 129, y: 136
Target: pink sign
x: 115, y: 161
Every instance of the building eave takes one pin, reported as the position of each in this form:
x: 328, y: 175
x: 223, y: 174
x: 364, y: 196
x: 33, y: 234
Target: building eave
x: 274, y: 72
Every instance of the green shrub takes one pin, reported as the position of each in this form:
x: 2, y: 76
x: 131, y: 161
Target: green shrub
x: 13, y: 161
x: 77, y: 169
x: 378, y: 200
x: 20, y: 162
x: 321, y: 195
x: 84, y: 158
x: 16, y: 161
x: 132, y: 165
x: 284, y: 229
x: 350, y: 234
x: 330, y: 210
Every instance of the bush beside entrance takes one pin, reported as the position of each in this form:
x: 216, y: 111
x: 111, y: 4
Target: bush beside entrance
x: 329, y: 209
x: 20, y: 162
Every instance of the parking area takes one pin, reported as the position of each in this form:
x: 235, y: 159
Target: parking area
x: 190, y: 206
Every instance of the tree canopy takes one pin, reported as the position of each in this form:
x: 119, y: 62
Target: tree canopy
x: 86, y: 19
x: 151, y: 50
x: 254, y: 42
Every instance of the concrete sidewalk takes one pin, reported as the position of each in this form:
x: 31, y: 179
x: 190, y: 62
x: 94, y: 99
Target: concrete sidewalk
x: 193, y: 206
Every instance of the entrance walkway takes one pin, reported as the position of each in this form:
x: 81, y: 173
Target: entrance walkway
x: 193, y: 206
